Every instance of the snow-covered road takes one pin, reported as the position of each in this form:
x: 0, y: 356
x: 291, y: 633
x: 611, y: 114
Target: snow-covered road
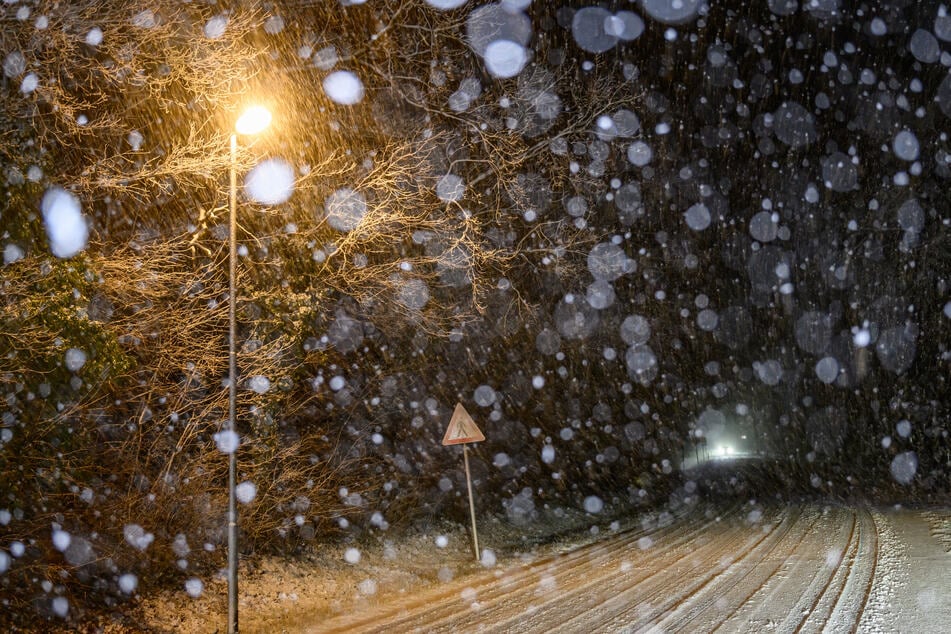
x: 753, y: 569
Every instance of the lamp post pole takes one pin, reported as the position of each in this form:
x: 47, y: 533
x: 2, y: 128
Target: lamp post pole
x: 253, y: 120
x: 232, y: 392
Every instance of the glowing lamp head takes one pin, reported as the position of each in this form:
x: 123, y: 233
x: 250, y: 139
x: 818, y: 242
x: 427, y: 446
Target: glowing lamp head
x: 253, y: 120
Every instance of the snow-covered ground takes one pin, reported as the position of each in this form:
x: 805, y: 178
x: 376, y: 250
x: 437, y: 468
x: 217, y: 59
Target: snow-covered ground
x: 752, y: 568
x: 912, y: 592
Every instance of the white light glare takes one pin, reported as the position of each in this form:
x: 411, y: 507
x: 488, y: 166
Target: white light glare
x: 254, y: 120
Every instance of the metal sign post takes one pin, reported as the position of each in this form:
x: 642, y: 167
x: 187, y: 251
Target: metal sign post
x: 461, y: 431
x: 475, y: 535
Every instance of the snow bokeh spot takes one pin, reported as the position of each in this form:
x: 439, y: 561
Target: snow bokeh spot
x: 484, y: 396
x: 271, y: 182
x: 259, y: 384
x: 504, y: 58
x: 137, y: 537
x: 493, y: 22
x: 227, y: 441
x: 94, y: 37
x: 66, y: 227
x: 904, y: 466
x: 450, y: 188
x: 75, y: 359
x: 446, y: 5
x: 245, y: 492
x: 698, y: 217
x: 128, y: 583
x: 346, y: 208
x: 351, y: 556
x: 593, y: 504
x: 216, y: 26
x: 343, y: 87
x: 413, y: 294
x: 671, y: 11
x: 194, y: 587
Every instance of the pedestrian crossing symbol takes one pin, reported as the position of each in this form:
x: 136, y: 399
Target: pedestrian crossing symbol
x: 462, y: 429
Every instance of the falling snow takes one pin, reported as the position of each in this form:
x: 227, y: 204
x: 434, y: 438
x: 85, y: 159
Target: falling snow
x: 65, y: 224
x: 271, y: 182
x: 684, y: 263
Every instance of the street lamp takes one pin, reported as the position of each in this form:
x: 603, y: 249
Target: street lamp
x: 253, y: 121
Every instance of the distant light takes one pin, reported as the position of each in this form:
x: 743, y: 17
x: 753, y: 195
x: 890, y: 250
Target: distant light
x: 254, y: 120
x: 722, y: 451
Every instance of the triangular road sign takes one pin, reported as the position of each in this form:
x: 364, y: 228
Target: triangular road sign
x: 462, y: 428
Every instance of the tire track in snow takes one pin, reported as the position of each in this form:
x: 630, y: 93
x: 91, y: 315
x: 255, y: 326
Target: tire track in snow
x: 648, y: 597
x: 691, y: 612
x: 490, y: 591
x: 879, y: 615
x: 755, y: 580
x: 800, y: 569
x: 852, y: 583
x: 735, y: 584
x: 516, y: 606
x: 858, y: 563
x: 573, y: 609
x: 808, y: 576
x: 846, y: 554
